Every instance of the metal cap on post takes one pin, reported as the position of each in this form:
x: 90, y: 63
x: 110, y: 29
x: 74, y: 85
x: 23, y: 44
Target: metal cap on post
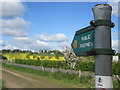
x: 103, y: 63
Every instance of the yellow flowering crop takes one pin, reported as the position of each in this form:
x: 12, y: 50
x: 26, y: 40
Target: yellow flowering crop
x: 26, y: 56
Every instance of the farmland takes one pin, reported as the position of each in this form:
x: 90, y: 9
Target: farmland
x: 56, y: 61
x: 26, y: 56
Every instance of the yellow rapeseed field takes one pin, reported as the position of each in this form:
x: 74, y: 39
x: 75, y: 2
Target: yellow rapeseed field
x: 26, y: 56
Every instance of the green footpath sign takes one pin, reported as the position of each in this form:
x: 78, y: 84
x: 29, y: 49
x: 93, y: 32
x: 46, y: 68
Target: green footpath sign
x: 83, y: 42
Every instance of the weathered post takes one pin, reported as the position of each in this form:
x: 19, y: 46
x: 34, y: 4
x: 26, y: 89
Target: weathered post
x: 96, y: 40
x: 103, y: 63
x: 52, y: 69
x: 79, y: 73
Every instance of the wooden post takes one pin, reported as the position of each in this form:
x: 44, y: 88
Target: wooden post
x: 42, y: 68
x: 103, y: 63
x: 52, y: 69
x: 79, y: 73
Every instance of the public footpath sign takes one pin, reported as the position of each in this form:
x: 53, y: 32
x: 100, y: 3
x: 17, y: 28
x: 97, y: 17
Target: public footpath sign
x: 83, y: 41
x: 96, y: 40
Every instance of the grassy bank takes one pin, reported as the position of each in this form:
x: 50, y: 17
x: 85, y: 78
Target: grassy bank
x: 83, y: 66
x: 2, y: 84
x: 70, y: 80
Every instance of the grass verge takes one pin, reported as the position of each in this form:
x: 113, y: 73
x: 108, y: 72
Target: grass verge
x: 71, y: 79
x: 2, y: 84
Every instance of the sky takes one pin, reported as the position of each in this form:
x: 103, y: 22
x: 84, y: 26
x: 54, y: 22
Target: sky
x: 47, y: 25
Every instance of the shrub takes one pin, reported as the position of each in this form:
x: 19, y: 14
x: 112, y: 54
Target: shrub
x: 116, y: 68
x: 83, y: 66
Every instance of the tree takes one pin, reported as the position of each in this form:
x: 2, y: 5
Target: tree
x: 70, y: 57
x: 16, y: 51
x: 6, y: 51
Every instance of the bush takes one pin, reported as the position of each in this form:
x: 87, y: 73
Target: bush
x: 116, y: 68
x: 83, y: 66
x: 116, y: 84
x: 44, y: 63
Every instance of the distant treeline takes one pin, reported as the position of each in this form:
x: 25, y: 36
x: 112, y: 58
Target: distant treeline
x: 28, y: 51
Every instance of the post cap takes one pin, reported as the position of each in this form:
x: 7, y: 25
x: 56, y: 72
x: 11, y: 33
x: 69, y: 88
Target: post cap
x: 103, y: 5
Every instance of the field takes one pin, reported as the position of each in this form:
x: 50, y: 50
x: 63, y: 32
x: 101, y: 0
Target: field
x: 55, y: 61
x: 49, y: 61
x: 40, y: 56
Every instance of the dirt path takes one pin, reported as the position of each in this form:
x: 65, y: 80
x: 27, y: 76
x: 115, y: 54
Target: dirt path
x: 19, y: 80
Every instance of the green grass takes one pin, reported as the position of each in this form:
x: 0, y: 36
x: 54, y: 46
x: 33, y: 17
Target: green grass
x: 2, y: 84
x: 71, y: 79
x: 65, y: 79
x: 116, y: 84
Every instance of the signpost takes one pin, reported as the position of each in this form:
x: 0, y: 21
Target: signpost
x: 83, y: 42
x: 96, y: 40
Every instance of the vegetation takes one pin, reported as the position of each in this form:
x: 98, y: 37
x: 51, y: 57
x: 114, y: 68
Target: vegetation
x: 116, y: 84
x: 3, y: 84
x: 0, y: 83
x: 116, y: 68
x: 27, y: 56
x: 83, y: 81
x: 83, y: 66
x: 55, y: 59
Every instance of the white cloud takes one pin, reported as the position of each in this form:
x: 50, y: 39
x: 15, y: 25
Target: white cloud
x: 52, y: 38
x: 30, y: 44
x: 62, y: 45
x: 15, y: 27
x: 1, y: 42
x: 34, y: 45
x: 40, y: 45
x: 14, y: 32
x: 11, y: 46
x: 115, y: 35
x: 11, y: 9
x: 23, y: 40
x: 14, y: 23
x: 115, y: 6
x: 115, y: 44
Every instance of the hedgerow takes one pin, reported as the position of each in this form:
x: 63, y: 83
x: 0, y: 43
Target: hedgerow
x: 83, y: 66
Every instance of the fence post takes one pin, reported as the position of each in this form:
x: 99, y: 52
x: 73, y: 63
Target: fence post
x: 79, y: 73
x: 42, y: 68
x: 103, y: 63
x: 52, y: 69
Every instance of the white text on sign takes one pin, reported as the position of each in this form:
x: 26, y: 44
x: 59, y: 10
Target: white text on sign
x: 86, y: 45
x: 85, y: 37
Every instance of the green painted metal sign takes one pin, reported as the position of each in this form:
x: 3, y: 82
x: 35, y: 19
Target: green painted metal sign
x: 83, y: 41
